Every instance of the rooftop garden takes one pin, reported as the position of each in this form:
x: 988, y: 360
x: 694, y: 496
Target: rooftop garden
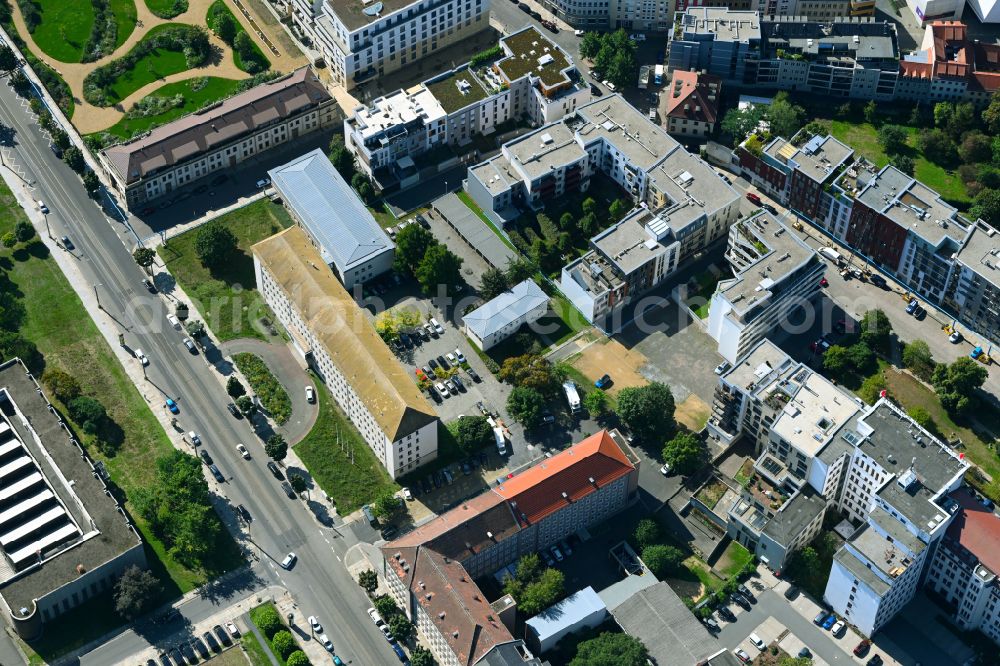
x: 527, y: 47
x: 458, y: 90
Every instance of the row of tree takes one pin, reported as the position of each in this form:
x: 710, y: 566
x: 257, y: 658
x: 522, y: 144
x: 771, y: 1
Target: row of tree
x: 533, y: 586
x: 282, y: 642
x: 434, y: 266
x: 614, y: 56
x: 224, y: 24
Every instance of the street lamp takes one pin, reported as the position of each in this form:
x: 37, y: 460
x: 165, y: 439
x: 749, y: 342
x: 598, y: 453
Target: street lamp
x: 98, y: 296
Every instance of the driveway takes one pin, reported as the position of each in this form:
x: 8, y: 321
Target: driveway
x: 290, y: 371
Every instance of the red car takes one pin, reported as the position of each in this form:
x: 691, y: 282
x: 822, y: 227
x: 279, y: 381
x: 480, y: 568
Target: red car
x: 753, y: 198
x: 862, y: 648
x: 823, y: 282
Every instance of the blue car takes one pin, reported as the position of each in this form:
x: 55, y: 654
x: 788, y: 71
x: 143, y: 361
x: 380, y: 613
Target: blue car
x: 399, y: 651
x: 603, y: 382
x: 172, y: 406
x: 829, y: 622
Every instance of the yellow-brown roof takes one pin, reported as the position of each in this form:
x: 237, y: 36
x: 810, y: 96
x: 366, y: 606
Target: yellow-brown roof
x: 341, y: 327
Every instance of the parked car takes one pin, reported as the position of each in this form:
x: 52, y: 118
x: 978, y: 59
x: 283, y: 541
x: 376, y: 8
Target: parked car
x: 310, y: 395
x: 637, y: 37
x: 234, y: 410
x: 213, y: 644
x: 231, y: 627
x: 442, y: 390
x: 838, y: 628
x: 327, y: 643
x: 242, y: 450
x: 289, y: 561
x: 205, y: 456
x: 399, y: 652
x: 742, y: 656
x: 726, y: 614
x: 289, y: 491
x: 955, y: 337
x: 549, y: 562
x: 565, y: 548
x: 42, y: 207
x: 757, y: 642
x: 829, y: 622
x: 148, y: 284
x: 376, y: 618
x: 473, y: 375
x: 912, y: 306
x: 67, y: 243
x: 722, y: 367
x: 263, y: 182
x: 244, y: 513
x: 430, y: 330
x: 443, y: 362
x: 190, y: 346
x: 665, y: 470
x: 314, y: 623
x: 275, y: 470
x: 194, y: 438
x: 141, y: 356
x: 222, y: 635
x: 876, y: 660
x: 172, y: 406
x: 436, y: 325
x: 711, y: 624
x: 821, y: 618
x: 578, y: 33
x: 603, y: 382
x: 862, y: 648
x: 740, y: 601
x: 804, y: 653
x: 217, y: 474
x: 407, y: 495
x: 459, y: 355
x: 556, y: 554
x: 791, y: 592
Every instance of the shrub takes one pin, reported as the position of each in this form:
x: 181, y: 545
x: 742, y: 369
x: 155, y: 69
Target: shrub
x: 662, y: 560
x: 88, y: 412
x: 61, y: 384
x: 267, y: 620
x: 284, y: 643
x: 297, y: 658
x: 647, y: 533
x: 270, y: 392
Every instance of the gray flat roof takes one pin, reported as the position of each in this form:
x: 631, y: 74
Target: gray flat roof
x: 496, y: 174
x: 817, y: 157
x: 794, y: 515
x: 757, y: 365
x: 61, y: 462
x: 671, y: 632
x: 475, y: 232
x: 619, y: 123
x: 722, y: 23
x: 549, y: 146
x: 330, y: 210
x: 505, y: 308
x: 694, y: 186
x: 832, y: 40
x: 628, y: 244
x: 352, y: 12
x: 978, y: 253
x: 859, y: 569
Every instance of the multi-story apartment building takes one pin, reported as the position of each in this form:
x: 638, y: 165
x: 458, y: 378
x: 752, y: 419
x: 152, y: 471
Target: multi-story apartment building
x: 775, y: 273
x: 430, y: 570
x: 531, y: 79
x: 897, y: 481
x: 363, y: 40
x: 963, y: 571
x: 219, y: 137
x: 888, y: 219
x: 64, y: 538
x: 339, y: 224
x: 814, y: 10
x: 334, y: 335
x: 950, y: 67
x: 854, y: 57
x: 692, y: 103
x: 684, y: 206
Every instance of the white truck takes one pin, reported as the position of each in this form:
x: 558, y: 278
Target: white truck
x: 831, y: 254
x: 572, y: 397
x: 501, y: 441
x: 659, y: 75
x: 644, y: 77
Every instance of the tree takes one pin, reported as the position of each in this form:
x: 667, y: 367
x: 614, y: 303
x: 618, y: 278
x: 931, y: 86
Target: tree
x: 976, y: 147
x: 871, y: 112
x: 684, y: 453
x: 214, y: 244
x: 917, y: 358
x: 267, y: 620
x: 937, y: 146
x: 492, y: 283
x: 9, y: 240
x: 224, y: 25
x: 611, y: 649
x: 24, y: 231
x: 923, y: 419
x: 62, y: 385
x: 299, y: 483
x: 89, y: 413
x: 144, y: 256
x: 836, y: 361
x: 385, y: 606
x: 648, y: 411
x: 618, y: 209
x: 8, y: 59
x: 91, y: 183
x: 567, y: 221
x: 246, y: 405
x: 962, y: 120
x: 956, y: 384
x: 589, y: 206
x: 596, y: 402
x: 284, y: 643
x: 276, y: 447
x: 518, y: 270
x: 662, y: 560
x: 12, y: 311
x: 412, y: 243
x: 876, y: 331
x: 589, y: 224
x: 872, y: 388
x: 421, y: 656
x: 991, y: 114
x: 242, y: 43
x: 368, y: 580
x: 297, y: 658
x: 647, y: 533
x: 473, y: 433
x: 903, y: 162
x: 342, y: 158
x: 943, y: 111
x: 19, y: 82
x: 623, y: 68
x: 591, y: 44
x: 530, y: 370
x: 740, y: 123
x: 986, y: 205
x: 529, y: 568
x: 73, y: 157
x: 785, y: 118
x: 806, y: 568
x: 15, y: 345
x: 234, y: 387
x: 892, y: 138
x: 400, y: 628
x: 135, y: 590
x: 525, y: 406
x: 861, y: 357
x: 386, y: 505
x: 542, y: 593
x: 440, y: 267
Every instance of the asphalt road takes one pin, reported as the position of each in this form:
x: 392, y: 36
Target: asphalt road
x: 319, y: 583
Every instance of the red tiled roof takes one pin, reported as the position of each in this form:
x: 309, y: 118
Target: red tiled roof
x: 538, y: 491
x: 977, y: 529
x: 688, y: 96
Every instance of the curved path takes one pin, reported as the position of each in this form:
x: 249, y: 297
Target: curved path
x: 287, y: 367
x: 89, y: 118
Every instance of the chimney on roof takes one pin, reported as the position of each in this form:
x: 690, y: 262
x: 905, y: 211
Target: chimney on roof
x: 446, y: 560
x: 454, y: 634
x: 565, y: 496
x: 592, y: 482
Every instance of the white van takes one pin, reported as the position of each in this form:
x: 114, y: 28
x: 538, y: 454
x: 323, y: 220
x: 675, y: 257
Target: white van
x: 831, y: 254
x: 501, y: 441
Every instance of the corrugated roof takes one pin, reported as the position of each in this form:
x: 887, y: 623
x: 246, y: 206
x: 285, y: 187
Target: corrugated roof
x: 204, y: 130
x: 505, y: 308
x: 573, y: 609
x: 340, y: 325
x: 538, y: 491
x: 330, y: 210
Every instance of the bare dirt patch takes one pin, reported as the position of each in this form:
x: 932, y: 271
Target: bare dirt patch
x: 693, y: 412
x: 613, y: 358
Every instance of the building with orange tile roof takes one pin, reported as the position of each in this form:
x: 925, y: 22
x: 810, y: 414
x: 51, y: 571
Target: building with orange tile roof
x: 949, y: 67
x: 431, y: 570
x: 692, y: 103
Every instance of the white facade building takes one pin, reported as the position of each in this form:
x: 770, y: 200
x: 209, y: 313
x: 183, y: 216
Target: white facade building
x: 333, y: 334
x: 500, y: 318
x: 776, y: 272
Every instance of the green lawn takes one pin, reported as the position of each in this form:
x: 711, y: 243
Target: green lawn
x: 707, y: 283
x: 572, y: 319
x: 67, y: 337
x: 864, y: 139
x: 732, y: 561
x: 254, y: 612
x: 157, y: 65
x: 65, y: 28
x: 327, y: 454
x: 125, y: 16
x: 217, y: 88
x: 228, y: 297
x: 219, y: 5
x: 254, y: 650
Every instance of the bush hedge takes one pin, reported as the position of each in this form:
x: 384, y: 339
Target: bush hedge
x: 273, y: 396
x: 104, y: 35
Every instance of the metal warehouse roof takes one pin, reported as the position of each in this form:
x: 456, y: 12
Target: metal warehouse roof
x: 505, y: 308
x: 330, y: 210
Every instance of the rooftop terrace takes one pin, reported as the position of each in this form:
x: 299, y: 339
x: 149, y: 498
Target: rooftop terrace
x: 532, y: 52
x: 458, y: 89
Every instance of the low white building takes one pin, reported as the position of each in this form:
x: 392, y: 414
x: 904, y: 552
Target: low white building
x: 335, y: 336
x: 348, y: 237
x: 497, y: 320
x: 580, y: 610
x: 776, y: 272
